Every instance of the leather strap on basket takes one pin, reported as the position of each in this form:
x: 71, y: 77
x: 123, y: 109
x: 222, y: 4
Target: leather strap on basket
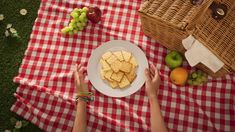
x: 219, y: 11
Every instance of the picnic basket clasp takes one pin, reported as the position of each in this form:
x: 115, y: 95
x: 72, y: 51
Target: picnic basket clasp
x: 219, y: 11
x: 196, y: 2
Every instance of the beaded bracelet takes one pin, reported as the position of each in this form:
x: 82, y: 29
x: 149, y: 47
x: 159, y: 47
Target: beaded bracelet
x: 85, y: 96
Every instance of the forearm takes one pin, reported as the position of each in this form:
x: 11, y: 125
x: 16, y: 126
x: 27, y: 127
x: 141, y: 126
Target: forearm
x: 80, y: 124
x: 156, y: 119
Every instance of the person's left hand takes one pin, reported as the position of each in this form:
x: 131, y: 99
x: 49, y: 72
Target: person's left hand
x: 79, y: 76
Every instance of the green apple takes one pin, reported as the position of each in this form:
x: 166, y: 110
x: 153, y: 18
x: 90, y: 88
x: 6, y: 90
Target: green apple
x: 173, y: 59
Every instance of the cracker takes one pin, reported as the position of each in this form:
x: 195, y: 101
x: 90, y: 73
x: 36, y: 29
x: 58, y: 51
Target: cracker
x: 131, y: 77
x: 102, y: 73
x: 113, y: 84
x: 126, y: 55
x: 117, y: 76
x: 108, y: 75
x: 126, y: 67
x: 106, y: 55
x: 116, y: 65
x: 132, y: 74
x: 124, y: 82
x: 111, y: 59
x: 105, y: 65
x: 118, y: 54
x: 133, y: 61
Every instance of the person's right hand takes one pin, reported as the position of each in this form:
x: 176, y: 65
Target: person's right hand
x: 152, y: 82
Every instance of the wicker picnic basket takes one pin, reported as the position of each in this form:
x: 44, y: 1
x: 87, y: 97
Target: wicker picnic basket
x: 171, y: 21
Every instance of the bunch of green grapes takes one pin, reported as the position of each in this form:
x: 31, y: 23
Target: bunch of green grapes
x: 197, y: 78
x: 78, y: 23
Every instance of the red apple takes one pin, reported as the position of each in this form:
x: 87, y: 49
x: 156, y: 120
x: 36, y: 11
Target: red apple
x: 94, y: 14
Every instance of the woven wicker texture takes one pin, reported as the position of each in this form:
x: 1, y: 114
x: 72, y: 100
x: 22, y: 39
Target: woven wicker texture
x: 219, y: 36
x: 170, y: 21
x: 176, y: 13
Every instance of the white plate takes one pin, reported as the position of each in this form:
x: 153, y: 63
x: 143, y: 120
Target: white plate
x: 93, y: 68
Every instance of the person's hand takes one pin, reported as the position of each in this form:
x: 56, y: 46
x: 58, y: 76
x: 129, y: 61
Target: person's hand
x: 152, y: 82
x: 79, y: 76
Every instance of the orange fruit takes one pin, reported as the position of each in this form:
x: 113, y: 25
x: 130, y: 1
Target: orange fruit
x: 179, y: 76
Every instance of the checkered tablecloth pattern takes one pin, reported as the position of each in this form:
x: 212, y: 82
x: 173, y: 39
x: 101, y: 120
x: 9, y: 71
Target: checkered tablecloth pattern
x: 46, y: 90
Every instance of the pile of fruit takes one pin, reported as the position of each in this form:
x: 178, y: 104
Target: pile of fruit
x: 197, y: 78
x: 80, y: 17
x: 180, y: 75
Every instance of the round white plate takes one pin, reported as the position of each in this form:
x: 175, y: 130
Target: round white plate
x: 93, y: 68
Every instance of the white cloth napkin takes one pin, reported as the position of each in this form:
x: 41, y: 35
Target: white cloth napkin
x: 198, y: 53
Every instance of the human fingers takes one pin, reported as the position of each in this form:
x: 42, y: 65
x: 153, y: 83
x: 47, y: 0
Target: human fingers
x: 78, y: 66
x: 76, y: 79
x: 154, y: 69
x: 81, y: 70
x: 152, y: 72
x: 77, y: 74
x: 74, y: 67
x: 81, y: 73
x: 85, y: 71
x: 156, y: 73
x: 147, y: 75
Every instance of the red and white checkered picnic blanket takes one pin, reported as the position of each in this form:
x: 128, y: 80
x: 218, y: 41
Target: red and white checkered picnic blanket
x: 46, y: 90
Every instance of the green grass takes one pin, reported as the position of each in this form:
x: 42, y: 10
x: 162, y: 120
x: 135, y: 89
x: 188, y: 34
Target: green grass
x: 11, y: 54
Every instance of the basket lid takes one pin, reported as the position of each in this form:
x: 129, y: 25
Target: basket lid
x: 181, y: 14
x: 218, y: 36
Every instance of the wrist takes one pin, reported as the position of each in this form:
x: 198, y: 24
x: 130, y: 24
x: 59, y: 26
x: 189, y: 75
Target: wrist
x: 80, y: 102
x: 153, y: 98
x: 81, y: 105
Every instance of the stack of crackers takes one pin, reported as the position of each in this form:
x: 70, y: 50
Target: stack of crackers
x: 118, y: 68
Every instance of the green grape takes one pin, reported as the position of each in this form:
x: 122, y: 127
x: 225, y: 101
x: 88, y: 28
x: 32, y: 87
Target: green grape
x: 79, y: 24
x: 70, y: 32
x: 199, y: 73
x: 190, y: 82
x: 199, y: 80
x: 194, y: 75
x: 76, y: 20
x: 75, y: 31
x: 65, y: 30
x: 73, y: 25
x: 82, y: 17
x: 74, y: 14
x: 73, y: 22
x: 196, y: 83
x: 204, y: 79
x: 85, y: 20
x: 78, y: 10
x: 70, y: 25
x: 80, y: 28
x: 83, y: 24
x: 70, y: 28
x: 84, y: 9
